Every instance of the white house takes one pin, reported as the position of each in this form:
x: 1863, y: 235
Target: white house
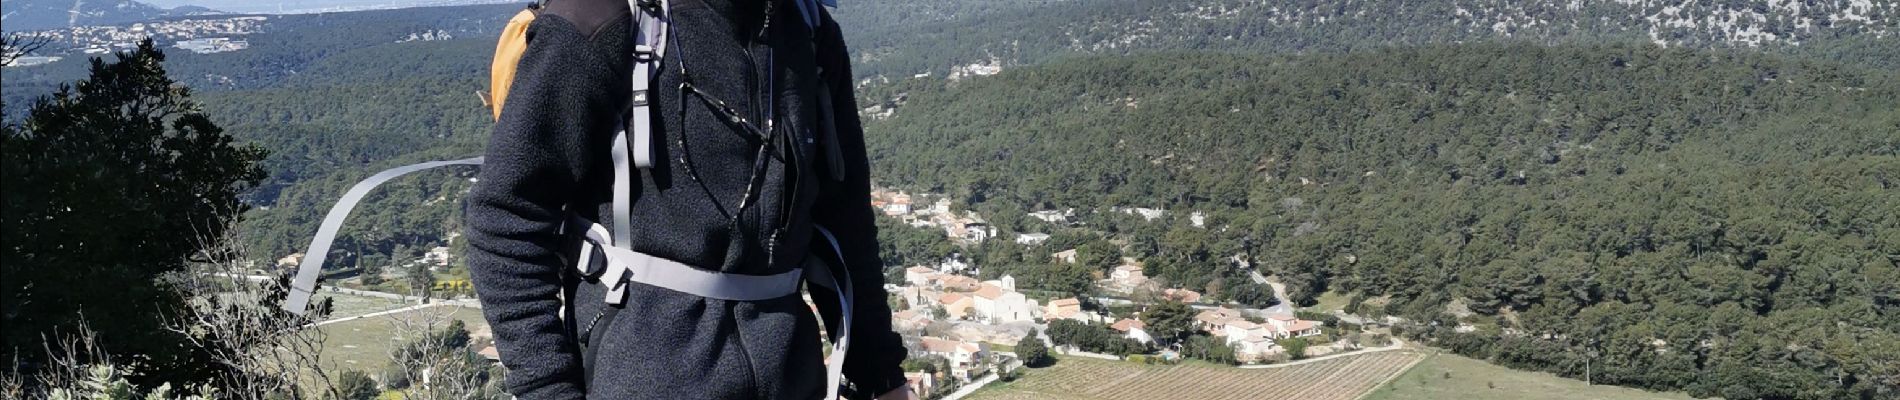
x: 1287, y: 326
x: 1068, y: 308
x: 1252, y: 349
x: 1067, y: 256
x: 1133, y: 329
x: 921, y: 383
x: 919, y: 276
x: 1031, y: 239
x: 997, y: 306
x: 955, y: 305
x: 1126, y: 278
x: 964, y: 357
x: 1239, y: 329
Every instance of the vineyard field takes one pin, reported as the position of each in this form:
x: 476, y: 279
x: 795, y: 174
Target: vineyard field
x: 1344, y: 378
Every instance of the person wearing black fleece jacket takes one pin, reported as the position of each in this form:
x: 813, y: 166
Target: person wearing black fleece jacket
x: 548, y: 159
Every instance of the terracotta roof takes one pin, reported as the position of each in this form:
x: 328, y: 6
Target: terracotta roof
x: 1217, y: 315
x: 950, y: 298
x: 938, y: 345
x: 1282, y: 317
x: 1062, y: 313
x: 1125, y: 324
x: 1183, y: 295
x: 957, y: 282
x: 989, y: 291
x: 1065, y: 302
x: 941, y: 345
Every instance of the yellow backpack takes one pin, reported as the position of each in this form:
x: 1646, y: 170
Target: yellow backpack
x: 514, y: 42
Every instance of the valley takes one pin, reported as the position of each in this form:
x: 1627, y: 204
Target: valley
x: 1670, y: 199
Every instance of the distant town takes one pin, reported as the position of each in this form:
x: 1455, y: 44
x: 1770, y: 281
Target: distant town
x: 947, y: 314
x: 197, y: 35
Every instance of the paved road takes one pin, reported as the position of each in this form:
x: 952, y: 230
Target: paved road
x: 965, y: 390
x: 374, y: 314
x: 1279, y: 293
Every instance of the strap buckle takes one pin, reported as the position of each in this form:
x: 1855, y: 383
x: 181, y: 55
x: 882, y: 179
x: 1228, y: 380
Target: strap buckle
x: 643, y: 53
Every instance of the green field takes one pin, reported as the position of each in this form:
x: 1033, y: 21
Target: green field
x: 1074, y: 378
x: 1329, y: 302
x: 364, y: 344
x: 1448, y: 376
x: 347, y: 305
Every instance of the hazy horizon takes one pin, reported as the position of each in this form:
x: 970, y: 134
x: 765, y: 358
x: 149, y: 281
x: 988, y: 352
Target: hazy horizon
x: 295, y: 6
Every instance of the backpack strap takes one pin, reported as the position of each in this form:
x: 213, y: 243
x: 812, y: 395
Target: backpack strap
x: 305, y: 283
x: 652, y: 18
x: 838, y: 279
x: 649, y: 48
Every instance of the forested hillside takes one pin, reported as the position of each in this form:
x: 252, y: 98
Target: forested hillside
x: 940, y: 37
x: 338, y: 95
x: 21, y: 15
x: 1726, y: 223
x: 1716, y: 214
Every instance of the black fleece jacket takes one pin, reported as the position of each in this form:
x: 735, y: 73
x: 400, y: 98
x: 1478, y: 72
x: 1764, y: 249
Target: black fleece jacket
x: 548, y: 158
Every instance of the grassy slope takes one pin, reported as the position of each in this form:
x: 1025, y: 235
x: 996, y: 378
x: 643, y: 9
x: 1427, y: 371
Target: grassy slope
x: 364, y: 344
x: 1473, y: 379
x: 1093, y: 379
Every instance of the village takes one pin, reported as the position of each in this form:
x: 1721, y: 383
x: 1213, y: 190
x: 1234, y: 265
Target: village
x: 961, y: 330
x: 946, y: 313
x: 199, y: 35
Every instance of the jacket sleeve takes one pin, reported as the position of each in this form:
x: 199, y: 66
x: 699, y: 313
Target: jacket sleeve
x: 536, y: 159
x: 874, y: 360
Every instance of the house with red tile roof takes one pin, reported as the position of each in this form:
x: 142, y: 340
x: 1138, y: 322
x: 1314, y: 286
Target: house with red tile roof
x: 956, y: 305
x: 1068, y: 308
x: 966, y: 358
x: 1133, y: 329
x: 1287, y: 326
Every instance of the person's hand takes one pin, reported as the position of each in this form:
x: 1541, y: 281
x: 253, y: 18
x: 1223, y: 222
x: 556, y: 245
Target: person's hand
x: 900, y: 393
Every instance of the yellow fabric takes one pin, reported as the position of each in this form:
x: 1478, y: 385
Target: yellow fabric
x: 514, y: 41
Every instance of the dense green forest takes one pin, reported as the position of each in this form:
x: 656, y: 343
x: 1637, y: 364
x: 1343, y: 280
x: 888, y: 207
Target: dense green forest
x: 1725, y: 223
x: 335, y: 96
x: 897, y: 38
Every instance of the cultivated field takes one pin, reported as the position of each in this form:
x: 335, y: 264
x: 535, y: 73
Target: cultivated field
x: 348, y: 305
x: 1448, y: 376
x: 1342, y: 378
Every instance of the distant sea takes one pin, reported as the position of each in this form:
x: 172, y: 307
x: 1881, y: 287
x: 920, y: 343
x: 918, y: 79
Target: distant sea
x: 314, y: 6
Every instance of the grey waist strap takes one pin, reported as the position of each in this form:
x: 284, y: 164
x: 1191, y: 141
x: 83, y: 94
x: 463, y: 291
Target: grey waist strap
x: 625, y: 266
x: 840, y: 284
x: 305, y: 283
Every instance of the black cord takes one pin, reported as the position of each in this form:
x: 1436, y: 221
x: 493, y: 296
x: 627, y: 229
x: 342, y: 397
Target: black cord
x: 765, y: 138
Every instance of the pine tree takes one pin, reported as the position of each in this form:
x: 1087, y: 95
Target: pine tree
x: 111, y: 183
x: 1033, y: 352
